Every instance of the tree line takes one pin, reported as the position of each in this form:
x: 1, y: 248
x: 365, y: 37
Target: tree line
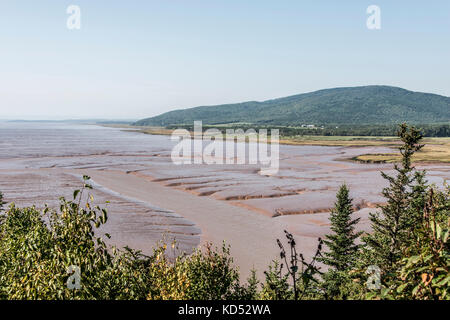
x: 427, y: 130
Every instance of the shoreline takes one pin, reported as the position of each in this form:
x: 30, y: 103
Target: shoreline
x: 433, y: 153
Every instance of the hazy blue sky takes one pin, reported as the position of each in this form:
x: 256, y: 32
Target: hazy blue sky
x: 133, y: 59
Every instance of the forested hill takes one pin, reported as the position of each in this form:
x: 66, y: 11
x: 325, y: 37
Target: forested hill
x: 368, y: 105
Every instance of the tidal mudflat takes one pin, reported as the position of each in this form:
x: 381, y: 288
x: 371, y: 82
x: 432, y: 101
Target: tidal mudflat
x: 151, y: 198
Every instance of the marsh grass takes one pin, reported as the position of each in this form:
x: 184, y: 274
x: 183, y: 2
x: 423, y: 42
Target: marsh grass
x: 435, y: 150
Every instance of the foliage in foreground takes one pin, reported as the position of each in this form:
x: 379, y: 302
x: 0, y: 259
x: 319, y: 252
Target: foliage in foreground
x: 43, y: 254
x: 423, y: 272
x: 338, y: 282
x: 392, y: 227
x: 341, y: 243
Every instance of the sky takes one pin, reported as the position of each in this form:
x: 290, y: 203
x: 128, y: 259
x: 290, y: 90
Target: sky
x: 135, y: 59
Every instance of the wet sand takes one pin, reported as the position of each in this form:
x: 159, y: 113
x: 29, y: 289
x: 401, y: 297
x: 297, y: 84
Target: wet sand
x: 131, y: 222
x: 251, y: 235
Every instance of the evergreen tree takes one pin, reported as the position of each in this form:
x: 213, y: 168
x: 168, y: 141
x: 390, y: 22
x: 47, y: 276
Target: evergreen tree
x: 418, y: 198
x: 392, y: 227
x: 1, y: 201
x: 341, y: 243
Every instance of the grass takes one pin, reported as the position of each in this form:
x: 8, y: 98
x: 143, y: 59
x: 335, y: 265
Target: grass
x: 146, y: 130
x: 435, y: 150
x: 341, y: 141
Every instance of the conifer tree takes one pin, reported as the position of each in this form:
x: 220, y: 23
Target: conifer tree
x: 1, y: 201
x: 419, y: 196
x: 392, y: 227
x: 341, y: 243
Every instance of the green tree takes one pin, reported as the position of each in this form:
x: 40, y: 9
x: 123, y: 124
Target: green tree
x: 342, y: 250
x: 418, y: 198
x: 1, y: 201
x: 391, y: 227
x: 341, y: 243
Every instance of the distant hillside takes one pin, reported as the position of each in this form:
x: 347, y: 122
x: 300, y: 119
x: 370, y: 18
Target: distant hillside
x: 341, y: 106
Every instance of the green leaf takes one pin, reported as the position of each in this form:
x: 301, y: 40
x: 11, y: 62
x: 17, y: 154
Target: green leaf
x: 444, y: 281
x: 402, y: 287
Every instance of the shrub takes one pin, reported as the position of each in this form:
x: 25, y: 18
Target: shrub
x: 299, y: 281
x: 207, y: 275
x: 424, y: 273
x: 40, y: 251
